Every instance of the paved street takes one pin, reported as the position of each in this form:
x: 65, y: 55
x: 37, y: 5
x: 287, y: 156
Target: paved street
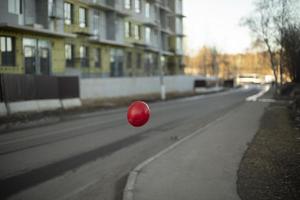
x: 90, y: 156
x: 203, y: 167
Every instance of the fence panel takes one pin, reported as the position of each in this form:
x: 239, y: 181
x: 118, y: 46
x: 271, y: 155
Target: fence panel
x: 68, y: 87
x: 34, y: 87
x: 46, y: 87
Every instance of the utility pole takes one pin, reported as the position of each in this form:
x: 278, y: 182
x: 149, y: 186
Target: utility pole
x: 161, y: 65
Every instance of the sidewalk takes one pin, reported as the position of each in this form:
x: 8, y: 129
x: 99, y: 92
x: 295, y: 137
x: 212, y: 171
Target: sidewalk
x: 202, y: 167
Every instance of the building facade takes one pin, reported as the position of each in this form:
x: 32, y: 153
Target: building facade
x: 91, y: 38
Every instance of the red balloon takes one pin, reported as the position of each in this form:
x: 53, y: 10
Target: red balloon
x: 138, y: 113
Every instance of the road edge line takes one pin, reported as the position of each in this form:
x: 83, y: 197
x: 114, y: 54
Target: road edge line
x: 264, y: 90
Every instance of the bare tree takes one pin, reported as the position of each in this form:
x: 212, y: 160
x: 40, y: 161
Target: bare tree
x: 291, y: 54
x: 260, y: 24
x: 267, y: 23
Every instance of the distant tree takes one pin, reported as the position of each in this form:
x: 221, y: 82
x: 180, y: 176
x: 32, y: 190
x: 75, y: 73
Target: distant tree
x: 214, y: 61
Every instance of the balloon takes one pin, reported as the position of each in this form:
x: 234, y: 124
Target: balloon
x: 138, y: 113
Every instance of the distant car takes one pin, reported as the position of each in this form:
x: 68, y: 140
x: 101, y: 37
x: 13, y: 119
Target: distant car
x: 249, y: 79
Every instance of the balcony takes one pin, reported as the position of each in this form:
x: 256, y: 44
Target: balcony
x: 84, y: 62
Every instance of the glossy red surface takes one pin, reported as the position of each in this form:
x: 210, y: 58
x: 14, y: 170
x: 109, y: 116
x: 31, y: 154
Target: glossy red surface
x: 138, y: 113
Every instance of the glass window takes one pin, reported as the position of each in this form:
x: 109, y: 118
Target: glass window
x: 83, y: 54
x: 128, y: 4
x: 147, y: 9
x: 82, y: 18
x: 3, y: 43
x: 178, y: 25
x: 97, y: 55
x: 179, y: 44
x: 137, y: 32
x: 68, y: 52
x: 138, y: 60
x: 129, y: 60
x: 15, y: 6
x: 69, y: 55
x: 127, y: 29
x: 137, y: 6
x: 7, y: 51
x: 51, y: 7
x: 96, y: 23
x: 68, y: 13
x: 148, y: 35
x: 28, y: 52
x: 179, y: 6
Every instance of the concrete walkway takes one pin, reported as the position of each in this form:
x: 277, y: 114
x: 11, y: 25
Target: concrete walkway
x: 203, y: 166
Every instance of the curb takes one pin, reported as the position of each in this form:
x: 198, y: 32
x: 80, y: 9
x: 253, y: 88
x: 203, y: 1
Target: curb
x: 131, y: 180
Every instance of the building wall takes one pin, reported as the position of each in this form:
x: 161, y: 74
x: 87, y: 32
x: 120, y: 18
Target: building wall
x: 111, y: 35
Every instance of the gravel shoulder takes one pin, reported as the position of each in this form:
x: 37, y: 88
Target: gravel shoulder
x: 270, y: 168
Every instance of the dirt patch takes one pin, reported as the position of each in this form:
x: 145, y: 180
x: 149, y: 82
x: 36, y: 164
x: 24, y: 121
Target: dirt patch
x: 270, y: 168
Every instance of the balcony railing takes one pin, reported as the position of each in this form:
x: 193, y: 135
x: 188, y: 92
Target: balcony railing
x: 84, y: 62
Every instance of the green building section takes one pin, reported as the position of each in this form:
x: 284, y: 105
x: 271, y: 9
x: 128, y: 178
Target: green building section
x: 137, y: 60
x: 56, y: 51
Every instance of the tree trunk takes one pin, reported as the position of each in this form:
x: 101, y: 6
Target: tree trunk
x: 273, y: 65
x: 281, y: 66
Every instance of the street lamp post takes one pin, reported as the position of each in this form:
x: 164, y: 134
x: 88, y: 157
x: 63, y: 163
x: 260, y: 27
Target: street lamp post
x: 161, y: 62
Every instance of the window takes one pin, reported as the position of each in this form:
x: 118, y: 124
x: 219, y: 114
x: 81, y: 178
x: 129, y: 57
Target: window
x: 179, y: 45
x: 68, y: 13
x: 178, y: 25
x: 138, y: 60
x: 96, y: 23
x: 69, y: 55
x: 51, y: 7
x: 148, y: 35
x: 129, y: 60
x: 97, y: 55
x: 83, y: 55
x: 127, y: 29
x: 82, y: 18
x: 147, y: 9
x: 15, y: 6
x: 7, y: 49
x: 128, y: 4
x: 179, y: 6
x: 137, y: 32
x: 137, y: 6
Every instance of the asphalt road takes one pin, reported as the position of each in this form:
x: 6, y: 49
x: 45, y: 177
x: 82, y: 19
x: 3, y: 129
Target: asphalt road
x: 89, y: 156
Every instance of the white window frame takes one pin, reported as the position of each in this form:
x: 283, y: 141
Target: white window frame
x: 68, y: 15
x: 82, y: 17
x: 68, y: 52
x: 96, y: 23
x: 179, y: 44
x: 138, y: 6
x: 15, y: 6
x: 137, y: 32
x: 147, y: 10
x: 148, y: 35
x: 83, y: 51
x: 127, y: 29
x: 127, y: 4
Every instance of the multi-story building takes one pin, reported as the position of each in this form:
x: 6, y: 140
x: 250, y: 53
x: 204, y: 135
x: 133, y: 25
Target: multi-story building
x: 91, y: 37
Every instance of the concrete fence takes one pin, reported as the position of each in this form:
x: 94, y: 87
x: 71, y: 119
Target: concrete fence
x: 122, y: 87
x: 103, y: 88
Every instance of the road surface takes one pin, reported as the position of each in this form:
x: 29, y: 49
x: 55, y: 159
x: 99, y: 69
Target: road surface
x: 89, y: 156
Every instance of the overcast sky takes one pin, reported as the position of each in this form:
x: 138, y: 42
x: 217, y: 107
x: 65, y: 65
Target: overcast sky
x: 216, y: 23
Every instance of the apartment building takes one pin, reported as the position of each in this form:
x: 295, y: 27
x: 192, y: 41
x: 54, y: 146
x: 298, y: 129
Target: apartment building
x: 91, y: 38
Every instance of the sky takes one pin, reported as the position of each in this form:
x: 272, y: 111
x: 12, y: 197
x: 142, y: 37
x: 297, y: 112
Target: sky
x: 216, y: 23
